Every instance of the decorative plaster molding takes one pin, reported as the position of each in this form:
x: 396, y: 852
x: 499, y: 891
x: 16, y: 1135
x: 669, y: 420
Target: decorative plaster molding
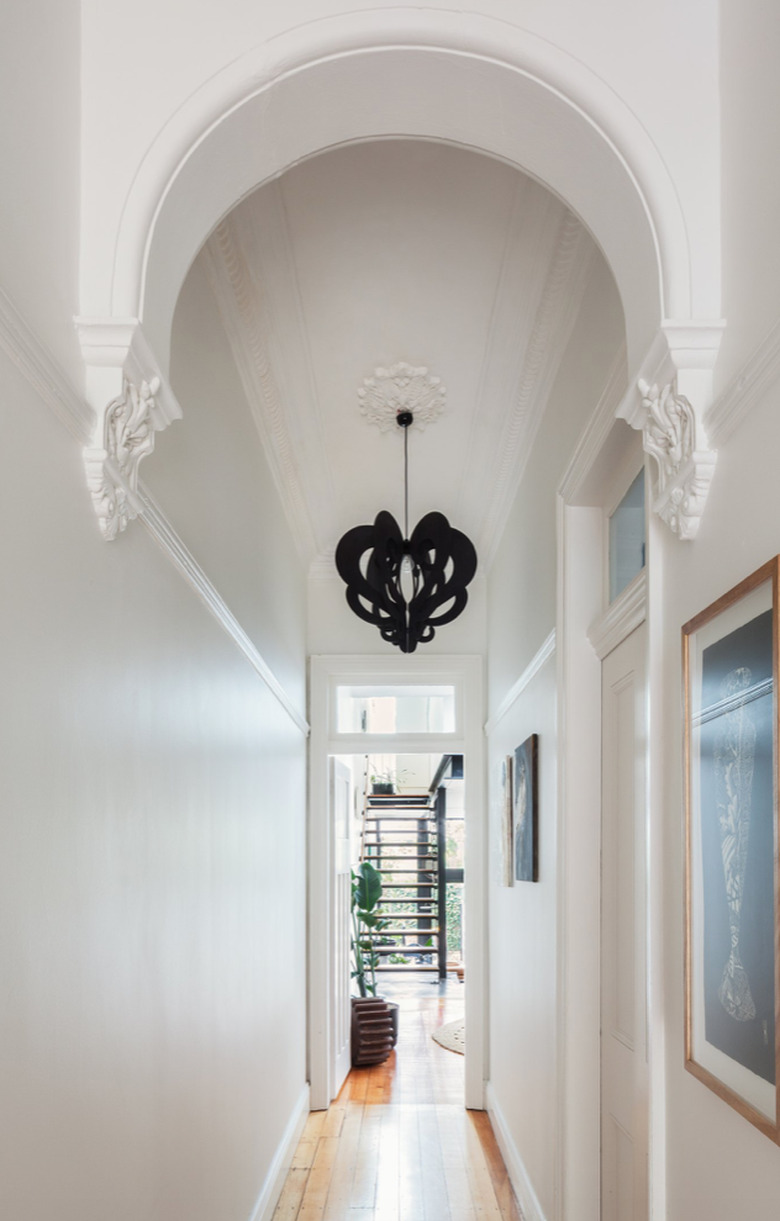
x: 746, y: 390
x: 37, y: 365
x: 532, y: 669
x: 112, y: 467
x: 673, y: 436
x: 401, y: 388
x: 132, y: 401
x: 672, y: 394
x: 620, y: 618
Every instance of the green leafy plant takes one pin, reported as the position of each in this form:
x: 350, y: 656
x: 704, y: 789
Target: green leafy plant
x: 366, y: 924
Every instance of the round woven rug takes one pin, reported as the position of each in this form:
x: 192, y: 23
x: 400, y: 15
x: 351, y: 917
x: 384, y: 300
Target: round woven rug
x: 452, y: 1036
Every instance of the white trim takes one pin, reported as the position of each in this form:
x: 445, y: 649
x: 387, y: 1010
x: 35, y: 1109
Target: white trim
x: 36, y: 363
x: 746, y: 390
x: 532, y: 669
x: 282, y: 1160
x: 594, y: 435
x: 518, y: 1175
x: 618, y: 621
x: 168, y: 540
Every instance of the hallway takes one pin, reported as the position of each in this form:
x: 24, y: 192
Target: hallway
x: 397, y: 1144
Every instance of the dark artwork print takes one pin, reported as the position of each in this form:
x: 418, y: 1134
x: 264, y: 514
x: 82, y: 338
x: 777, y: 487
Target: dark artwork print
x: 525, y: 812
x: 737, y: 831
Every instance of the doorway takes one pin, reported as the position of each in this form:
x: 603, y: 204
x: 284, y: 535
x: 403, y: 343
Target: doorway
x: 436, y: 707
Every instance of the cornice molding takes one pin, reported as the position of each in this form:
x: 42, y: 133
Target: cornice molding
x: 554, y: 320
x: 745, y: 391
x: 532, y: 669
x: 161, y: 530
x: 667, y: 404
x: 596, y: 430
x: 248, y: 324
x: 132, y: 401
x: 37, y: 365
x: 626, y: 613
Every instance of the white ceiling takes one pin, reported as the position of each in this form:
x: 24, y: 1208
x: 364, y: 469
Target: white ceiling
x: 398, y: 251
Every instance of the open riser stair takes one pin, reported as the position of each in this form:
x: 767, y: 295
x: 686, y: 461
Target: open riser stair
x: 403, y: 838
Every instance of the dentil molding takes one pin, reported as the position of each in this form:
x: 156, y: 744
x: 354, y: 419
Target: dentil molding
x: 132, y: 401
x: 400, y: 388
x: 667, y: 404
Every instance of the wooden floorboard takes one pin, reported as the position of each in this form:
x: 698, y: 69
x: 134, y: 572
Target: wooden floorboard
x: 398, y: 1144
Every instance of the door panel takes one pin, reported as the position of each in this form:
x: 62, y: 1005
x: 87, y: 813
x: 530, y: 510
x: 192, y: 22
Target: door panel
x: 623, y: 924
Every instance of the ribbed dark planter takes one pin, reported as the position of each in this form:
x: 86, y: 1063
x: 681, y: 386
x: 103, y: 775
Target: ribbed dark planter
x: 374, y: 1030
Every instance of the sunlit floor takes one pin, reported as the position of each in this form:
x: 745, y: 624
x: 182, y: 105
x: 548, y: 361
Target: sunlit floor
x: 397, y: 1144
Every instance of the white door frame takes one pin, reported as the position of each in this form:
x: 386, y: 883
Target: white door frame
x: 326, y: 673
x: 584, y: 633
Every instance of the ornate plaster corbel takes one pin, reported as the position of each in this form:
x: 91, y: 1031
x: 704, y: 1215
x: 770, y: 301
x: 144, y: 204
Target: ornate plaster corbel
x: 132, y: 402
x: 674, y: 438
x: 112, y: 467
x: 667, y: 404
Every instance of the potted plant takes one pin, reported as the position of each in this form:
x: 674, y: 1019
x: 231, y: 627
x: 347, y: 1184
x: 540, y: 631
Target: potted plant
x: 374, y: 1020
x: 384, y: 783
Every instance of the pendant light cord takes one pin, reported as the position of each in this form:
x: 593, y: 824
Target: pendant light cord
x: 406, y: 483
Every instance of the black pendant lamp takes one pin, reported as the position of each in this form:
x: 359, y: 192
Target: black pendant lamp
x: 407, y: 586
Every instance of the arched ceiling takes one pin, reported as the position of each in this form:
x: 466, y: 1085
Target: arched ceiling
x: 398, y: 250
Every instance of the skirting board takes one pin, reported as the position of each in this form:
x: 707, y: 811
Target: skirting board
x: 277, y: 1173
x: 518, y: 1175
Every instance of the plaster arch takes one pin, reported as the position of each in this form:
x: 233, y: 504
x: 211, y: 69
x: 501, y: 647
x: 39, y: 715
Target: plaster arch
x: 473, y: 81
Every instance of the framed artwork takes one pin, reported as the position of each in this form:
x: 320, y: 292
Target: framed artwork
x: 732, y: 932
x: 507, y: 828
x: 525, y: 811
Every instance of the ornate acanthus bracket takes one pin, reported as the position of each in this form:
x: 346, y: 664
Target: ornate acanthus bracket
x: 401, y: 388
x: 667, y: 404
x: 132, y: 402
x: 674, y: 438
x: 112, y: 467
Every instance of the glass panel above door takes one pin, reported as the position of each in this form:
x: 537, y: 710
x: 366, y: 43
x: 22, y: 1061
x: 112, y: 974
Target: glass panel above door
x: 395, y: 709
x: 627, y: 538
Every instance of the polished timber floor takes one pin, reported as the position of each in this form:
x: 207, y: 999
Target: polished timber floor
x: 397, y: 1144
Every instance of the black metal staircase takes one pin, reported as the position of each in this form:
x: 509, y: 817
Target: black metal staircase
x: 403, y: 838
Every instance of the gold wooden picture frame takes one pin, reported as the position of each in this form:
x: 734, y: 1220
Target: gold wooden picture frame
x: 732, y: 876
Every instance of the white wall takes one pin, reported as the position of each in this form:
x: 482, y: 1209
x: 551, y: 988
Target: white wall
x: 40, y: 60
x: 524, y: 935
x: 152, y: 839
x: 750, y: 46
x: 209, y: 473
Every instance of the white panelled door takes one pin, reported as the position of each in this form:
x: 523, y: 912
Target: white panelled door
x: 624, y: 1076
x: 340, y: 1017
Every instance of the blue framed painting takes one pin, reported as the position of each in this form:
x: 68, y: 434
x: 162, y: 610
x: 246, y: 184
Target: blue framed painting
x: 525, y: 804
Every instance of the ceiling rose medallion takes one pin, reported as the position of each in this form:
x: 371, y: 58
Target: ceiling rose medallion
x: 401, y: 388
x: 406, y: 585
